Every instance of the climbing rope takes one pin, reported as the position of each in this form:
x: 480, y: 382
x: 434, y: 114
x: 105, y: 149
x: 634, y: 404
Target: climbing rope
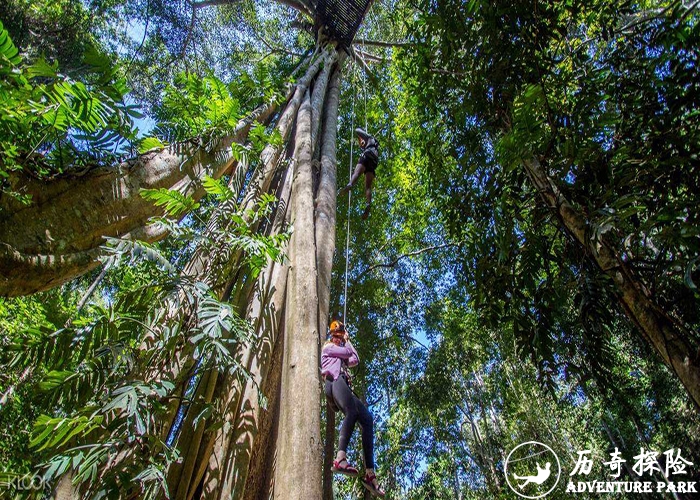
x: 352, y: 143
x: 347, y: 231
x: 364, y: 83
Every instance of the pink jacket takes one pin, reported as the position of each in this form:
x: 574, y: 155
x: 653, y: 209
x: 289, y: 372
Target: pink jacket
x: 332, y: 357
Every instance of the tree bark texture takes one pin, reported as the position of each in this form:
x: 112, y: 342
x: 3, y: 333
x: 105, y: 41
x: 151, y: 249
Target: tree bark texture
x: 273, y: 449
x: 276, y: 450
x: 666, y: 335
x: 328, y: 453
x: 299, y: 453
x: 58, y: 235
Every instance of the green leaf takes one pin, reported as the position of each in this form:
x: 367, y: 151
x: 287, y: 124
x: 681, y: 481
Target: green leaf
x: 42, y: 68
x: 55, y: 378
x: 8, y: 50
x: 55, y: 432
x: 218, y: 188
x: 150, y: 143
x: 117, y: 250
x: 174, y: 202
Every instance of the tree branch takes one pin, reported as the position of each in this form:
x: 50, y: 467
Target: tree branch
x: 359, y: 60
x: 380, y: 43
x: 439, y: 71
x: 45, y: 244
x: 300, y: 5
x: 392, y: 263
x: 371, y: 57
x: 189, y: 31
x: 278, y: 49
x: 212, y: 3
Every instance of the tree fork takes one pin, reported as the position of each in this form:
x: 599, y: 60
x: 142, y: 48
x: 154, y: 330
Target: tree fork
x: 57, y: 237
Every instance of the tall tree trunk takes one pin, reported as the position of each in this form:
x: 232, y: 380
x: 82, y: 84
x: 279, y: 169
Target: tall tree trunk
x: 244, y: 459
x: 325, y: 248
x: 213, y: 449
x: 298, y: 471
x: 666, y: 335
x: 326, y: 202
x: 260, y: 452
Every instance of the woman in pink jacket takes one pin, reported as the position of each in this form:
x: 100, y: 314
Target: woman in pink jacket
x: 337, y: 356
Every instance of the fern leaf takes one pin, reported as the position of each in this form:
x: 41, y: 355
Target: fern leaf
x: 8, y: 50
x: 55, y: 432
x: 174, y: 202
x: 42, y: 68
x: 117, y: 249
x: 218, y: 188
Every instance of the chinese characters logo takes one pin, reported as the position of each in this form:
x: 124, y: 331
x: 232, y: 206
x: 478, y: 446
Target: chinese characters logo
x: 651, y: 472
x: 532, y: 470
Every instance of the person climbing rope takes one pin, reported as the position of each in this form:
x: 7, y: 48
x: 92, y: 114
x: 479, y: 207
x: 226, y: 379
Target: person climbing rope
x: 366, y: 164
x: 337, y: 355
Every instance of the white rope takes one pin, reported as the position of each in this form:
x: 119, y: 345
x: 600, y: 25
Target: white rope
x: 347, y: 231
x: 364, y: 85
x: 352, y: 143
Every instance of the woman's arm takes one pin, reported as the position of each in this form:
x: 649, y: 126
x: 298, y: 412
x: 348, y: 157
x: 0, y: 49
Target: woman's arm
x: 354, y: 359
x: 335, y: 351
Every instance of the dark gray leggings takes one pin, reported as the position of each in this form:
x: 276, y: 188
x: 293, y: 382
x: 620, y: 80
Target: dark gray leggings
x: 354, y: 411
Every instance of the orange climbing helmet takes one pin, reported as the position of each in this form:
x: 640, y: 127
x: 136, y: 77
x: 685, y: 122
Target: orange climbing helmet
x: 337, y: 328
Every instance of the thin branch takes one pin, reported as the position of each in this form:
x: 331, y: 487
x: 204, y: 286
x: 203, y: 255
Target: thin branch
x: 300, y: 5
x: 433, y: 69
x: 419, y: 343
x: 91, y: 289
x: 652, y: 14
x: 278, y: 49
x: 392, y: 263
x: 371, y: 57
x: 212, y: 3
x: 189, y: 31
x: 181, y: 54
x: 381, y: 43
x: 359, y: 60
x: 143, y: 40
x: 690, y: 9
